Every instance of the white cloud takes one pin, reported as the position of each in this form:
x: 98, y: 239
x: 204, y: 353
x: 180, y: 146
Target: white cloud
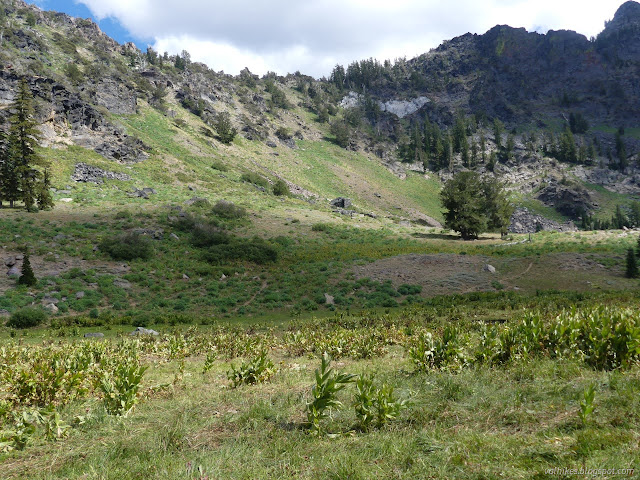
x: 312, y: 36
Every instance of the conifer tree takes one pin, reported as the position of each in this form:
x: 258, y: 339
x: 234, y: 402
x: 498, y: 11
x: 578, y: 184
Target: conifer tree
x: 9, y: 180
x: 23, y: 142
x: 45, y: 201
x: 498, y: 128
x: 474, y: 205
x: 27, y: 277
x: 638, y: 247
x: 621, y: 152
x: 632, y: 264
x: 4, y: 157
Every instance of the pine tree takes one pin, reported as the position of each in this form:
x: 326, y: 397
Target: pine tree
x: 474, y: 205
x: 225, y: 129
x: 9, y: 179
x: 464, y: 152
x: 45, y: 201
x: 632, y: 264
x: 474, y: 153
x: 498, y: 128
x: 621, y: 152
x: 23, y: 141
x: 27, y: 277
x: 4, y: 157
x: 638, y: 247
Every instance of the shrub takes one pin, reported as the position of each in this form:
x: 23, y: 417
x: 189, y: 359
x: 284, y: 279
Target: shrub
x: 127, y: 246
x: 207, y: 235
x: 254, y: 178
x: 254, y: 250
x: 221, y: 167
x: 319, y: 227
x: 283, y: 133
x: 281, y: 188
x: 27, y: 318
x: 228, y: 210
x: 406, y: 289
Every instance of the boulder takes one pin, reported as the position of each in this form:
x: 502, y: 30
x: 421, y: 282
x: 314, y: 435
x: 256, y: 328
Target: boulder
x: 143, y: 331
x: 489, y: 268
x: 121, y: 283
x: 94, y: 335
x: 51, y: 308
x: 80, y: 295
x: 50, y: 300
x: 341, y: 202
x: 143, y: 193
x: 14, y: 272
x: 329, y: 300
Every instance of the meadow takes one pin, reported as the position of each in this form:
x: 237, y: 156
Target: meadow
x: 484, y: 385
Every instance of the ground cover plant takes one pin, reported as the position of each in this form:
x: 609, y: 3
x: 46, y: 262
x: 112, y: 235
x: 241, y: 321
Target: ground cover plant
x: 534, y: 382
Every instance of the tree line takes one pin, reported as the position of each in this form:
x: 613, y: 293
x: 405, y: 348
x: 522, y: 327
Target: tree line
x: 24, y: 175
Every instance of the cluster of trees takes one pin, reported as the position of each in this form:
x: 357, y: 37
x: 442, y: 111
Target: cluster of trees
x: 618, y: 221
x: 24, y: 175
x: 566, y: 149
x: 475, y: 204
x: 361, y: 76
x: 436, y: 148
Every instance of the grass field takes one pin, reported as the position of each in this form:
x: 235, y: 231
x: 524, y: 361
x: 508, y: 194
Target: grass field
x: 514, y: 416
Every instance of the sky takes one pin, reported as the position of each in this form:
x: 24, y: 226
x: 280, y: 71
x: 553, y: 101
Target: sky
x: 312, y: 36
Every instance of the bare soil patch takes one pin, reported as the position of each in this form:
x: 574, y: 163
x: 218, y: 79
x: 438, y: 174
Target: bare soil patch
x: 443, y: 274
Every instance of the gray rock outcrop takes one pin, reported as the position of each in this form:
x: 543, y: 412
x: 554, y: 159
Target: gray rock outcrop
x: 142, y: 193
x: 90, y: 174
x: 143, y: 331
x: 341, y: 202
x: 523, y: 221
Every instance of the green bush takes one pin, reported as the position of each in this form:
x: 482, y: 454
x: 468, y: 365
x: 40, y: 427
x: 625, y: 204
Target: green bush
x: 221, y: 167
x: 228, y: 210
x: 127, y: 246
x: 207, y: 235
x: 280, y: 188
x: 320, y: 227
x: 253, y: 250
x: 406, y: 289
x: 27, y: 318
x: 283, y: 133
x: 254, y: 178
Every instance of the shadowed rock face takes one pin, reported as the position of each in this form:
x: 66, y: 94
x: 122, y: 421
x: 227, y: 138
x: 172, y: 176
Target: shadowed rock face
x: 58, y: 106
x: 528, y: 78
